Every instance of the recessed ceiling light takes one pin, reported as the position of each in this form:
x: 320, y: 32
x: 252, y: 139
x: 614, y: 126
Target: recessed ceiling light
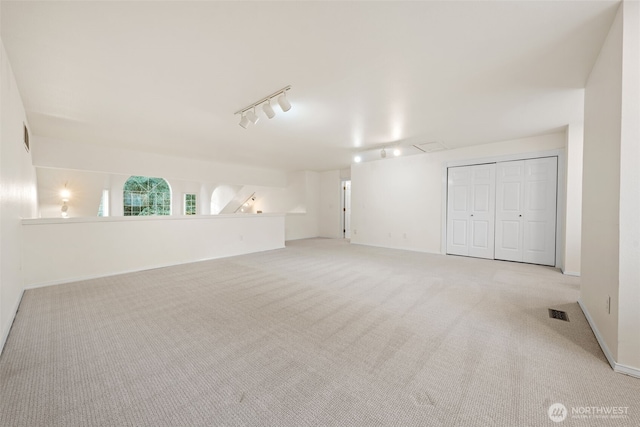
x: 397, y: 152
x: 357, y: 159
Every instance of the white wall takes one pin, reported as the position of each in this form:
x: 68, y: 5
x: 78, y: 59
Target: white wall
x: 299, y: 199
x: 62, y: 250
x: 58, y: 154
x: 17, y: 194
x: 601, y: 187
x: 85, y: 188
x: 629, y: 319
x: 305, y: 225
x: 330, y: 223
x: 398, y: 202
x: 573, y: 192
x: 611, y: 194
x: 86, y: 192
x: 90, y: 169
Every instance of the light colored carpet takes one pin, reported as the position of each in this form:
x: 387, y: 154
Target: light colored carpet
x: 321, y: 333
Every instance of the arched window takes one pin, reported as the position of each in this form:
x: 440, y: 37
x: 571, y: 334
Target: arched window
x: 144, y: 195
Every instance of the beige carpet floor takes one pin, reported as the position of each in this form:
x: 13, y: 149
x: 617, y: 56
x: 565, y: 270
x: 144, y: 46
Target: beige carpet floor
x: 321, y: 333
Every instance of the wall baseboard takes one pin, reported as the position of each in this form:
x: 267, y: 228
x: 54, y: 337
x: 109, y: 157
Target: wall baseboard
x: 571, y: 273
x: 5, y: 334
x: 617, y: 367
x: 596, y: 332
x: 627, y: 370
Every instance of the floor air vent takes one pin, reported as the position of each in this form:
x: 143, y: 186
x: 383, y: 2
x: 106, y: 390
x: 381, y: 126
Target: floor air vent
x: 557, y: 314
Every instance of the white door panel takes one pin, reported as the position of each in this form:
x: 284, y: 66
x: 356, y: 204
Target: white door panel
x: 471, y: 210
x: 540, y: 211
x: 526, y: 210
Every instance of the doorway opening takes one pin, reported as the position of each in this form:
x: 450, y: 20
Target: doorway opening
x: 345, y: 202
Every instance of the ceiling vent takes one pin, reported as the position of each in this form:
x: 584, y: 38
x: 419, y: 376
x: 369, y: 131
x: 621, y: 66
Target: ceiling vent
x: 430, y: 147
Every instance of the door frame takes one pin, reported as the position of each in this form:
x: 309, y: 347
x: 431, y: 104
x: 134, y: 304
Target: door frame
x: 343, y: 206
x: 561, y: 197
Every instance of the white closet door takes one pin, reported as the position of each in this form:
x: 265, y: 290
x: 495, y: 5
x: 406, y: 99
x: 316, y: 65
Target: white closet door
x: 471, y: 210
x: 526, y: 211
x: 540, y: 211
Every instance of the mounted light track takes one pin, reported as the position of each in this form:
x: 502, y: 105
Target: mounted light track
x: 248, y: 113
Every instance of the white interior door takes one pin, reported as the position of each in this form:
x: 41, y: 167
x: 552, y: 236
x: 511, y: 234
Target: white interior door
x: 509, y: 210
x: 458, y: 210
x: 541, y: 176
x: 471, y: 210
x: 526, y: 210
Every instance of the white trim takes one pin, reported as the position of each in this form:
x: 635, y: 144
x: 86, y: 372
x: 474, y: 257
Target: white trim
x: 571, y: 273
x: 596, y: 332
x: 505, y: 158
x: 5, y: 334
x: 443, y: 208
x: 627, y: 370
x: 75, y: 220
x: 617, y: 367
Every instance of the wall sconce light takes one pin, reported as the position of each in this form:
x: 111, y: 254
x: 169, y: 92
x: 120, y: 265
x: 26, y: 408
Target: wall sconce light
x: 65, y: 194
x: 248, y: 113
x: 64, y: 210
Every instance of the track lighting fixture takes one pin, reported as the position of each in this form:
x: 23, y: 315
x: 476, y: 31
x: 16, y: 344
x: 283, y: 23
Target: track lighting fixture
x: 244, y: 122
x: 284, y: 102
x: 248, y: 114
x: 384, y: 152
x: 268, y: 109
x: 251, y: 115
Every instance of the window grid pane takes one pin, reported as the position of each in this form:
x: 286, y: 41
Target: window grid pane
x: 146, y: 196
x: 189, y: 204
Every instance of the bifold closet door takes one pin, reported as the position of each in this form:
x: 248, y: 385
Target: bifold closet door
x: 526, y: 210
x: 471, y: 210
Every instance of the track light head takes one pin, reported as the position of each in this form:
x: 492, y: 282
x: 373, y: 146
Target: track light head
x: 244, y: 122
x: 251, y: 115
x: 268, y: 109
x: 284, y: 102
x: 383, y: 153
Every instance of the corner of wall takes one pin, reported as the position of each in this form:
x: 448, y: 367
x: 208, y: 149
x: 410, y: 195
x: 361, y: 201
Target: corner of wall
x: 18, y: 196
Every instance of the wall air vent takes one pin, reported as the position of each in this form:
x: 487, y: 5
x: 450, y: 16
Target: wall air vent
x: 430, y: 147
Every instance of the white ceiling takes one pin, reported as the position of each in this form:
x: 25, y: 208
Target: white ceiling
x: 167, y: 77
